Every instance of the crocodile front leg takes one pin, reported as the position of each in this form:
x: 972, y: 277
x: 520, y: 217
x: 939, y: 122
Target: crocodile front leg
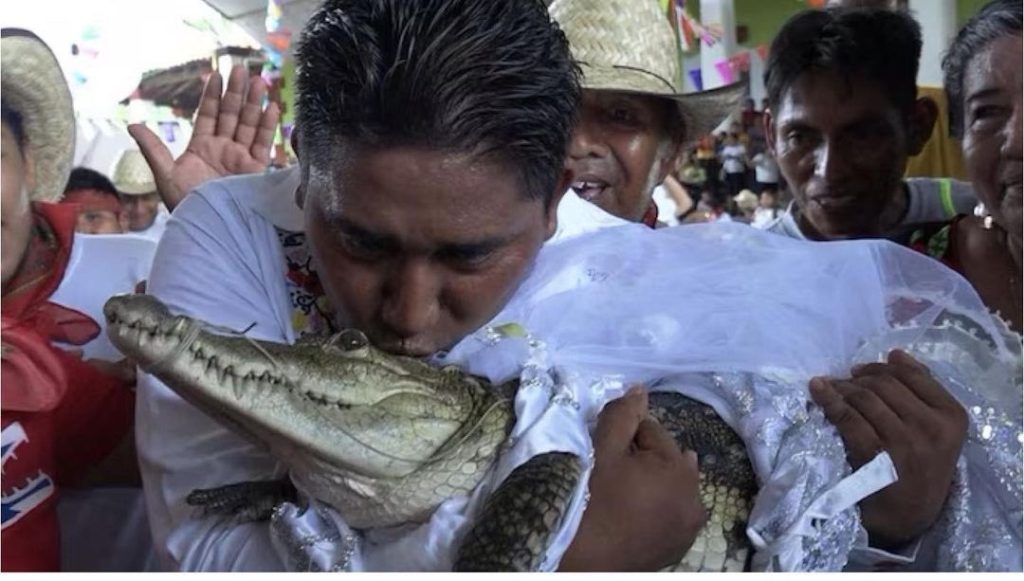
x: 521, y: 517
x: 243, y: 501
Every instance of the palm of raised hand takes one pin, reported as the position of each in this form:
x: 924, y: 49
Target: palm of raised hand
x: 232, y: 135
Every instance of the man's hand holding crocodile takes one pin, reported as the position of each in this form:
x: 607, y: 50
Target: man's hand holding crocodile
x: 655, y: 522
x: 900, y: 408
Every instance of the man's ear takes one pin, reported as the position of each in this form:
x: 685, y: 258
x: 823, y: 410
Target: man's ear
x: 551, y: 210
x: 921, y: 124
x: 672, y: 160
x: 769, y: 131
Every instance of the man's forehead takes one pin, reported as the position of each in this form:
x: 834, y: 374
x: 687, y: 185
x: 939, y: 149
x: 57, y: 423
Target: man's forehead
x: 830, y: 94
x: 425, y: 194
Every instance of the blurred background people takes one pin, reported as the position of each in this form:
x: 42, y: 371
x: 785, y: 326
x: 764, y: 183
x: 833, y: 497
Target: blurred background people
x: 99, y: 207
x: 134, y: 180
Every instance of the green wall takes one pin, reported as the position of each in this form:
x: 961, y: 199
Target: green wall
x: 764, y: 17
x: 288, y: 91
x: 967, y: 8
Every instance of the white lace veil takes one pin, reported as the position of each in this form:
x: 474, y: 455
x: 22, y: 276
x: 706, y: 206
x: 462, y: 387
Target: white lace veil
x: 760, y: 315
x: 742, y: 319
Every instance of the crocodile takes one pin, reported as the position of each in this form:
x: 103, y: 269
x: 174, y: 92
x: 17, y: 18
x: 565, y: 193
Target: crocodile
x: 384, y: 439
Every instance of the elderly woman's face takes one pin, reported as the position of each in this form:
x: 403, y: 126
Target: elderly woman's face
x: 992, y: 130
x: 16, y: 175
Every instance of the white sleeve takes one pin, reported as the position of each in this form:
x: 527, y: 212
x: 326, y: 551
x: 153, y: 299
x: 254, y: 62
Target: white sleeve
x: 206, y: 267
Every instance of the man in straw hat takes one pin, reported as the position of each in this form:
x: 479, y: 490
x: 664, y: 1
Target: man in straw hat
x: 62, y: 416
x: 635, y: 119
x: 137, y: 187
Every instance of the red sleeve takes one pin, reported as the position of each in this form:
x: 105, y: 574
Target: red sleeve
x: 94, y: 415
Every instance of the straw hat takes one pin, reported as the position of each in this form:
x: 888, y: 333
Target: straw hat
x: 132, y: 176
x: 34, y: 87
x: 746, y: 200
x: 630, y: 46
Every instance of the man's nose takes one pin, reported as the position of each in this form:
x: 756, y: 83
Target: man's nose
x: 829, y: 161
x: 411, y: 303
x: 587, y: 140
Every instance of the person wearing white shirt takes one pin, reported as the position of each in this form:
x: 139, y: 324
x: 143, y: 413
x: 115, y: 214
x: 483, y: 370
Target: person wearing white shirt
x: 734, y: 164
x: 766, y: 171
x: 414, y: 262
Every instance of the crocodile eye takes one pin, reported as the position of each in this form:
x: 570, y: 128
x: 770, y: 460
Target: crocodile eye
x: 351, y: 340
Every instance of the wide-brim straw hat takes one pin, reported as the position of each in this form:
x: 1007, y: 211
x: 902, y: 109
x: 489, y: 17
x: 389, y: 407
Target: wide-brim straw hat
x: 32, y: 84
x: 629, y: 46
x: 132, y: 175
x: 746, y: 200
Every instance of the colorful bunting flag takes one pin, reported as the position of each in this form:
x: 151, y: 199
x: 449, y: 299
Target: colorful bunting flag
x: 689, y: 29
x: 740, y: 62
x: 698, y: 80
x: 725, y: 71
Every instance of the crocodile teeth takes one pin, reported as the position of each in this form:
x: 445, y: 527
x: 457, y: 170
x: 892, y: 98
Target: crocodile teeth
x: 238, y: 385
x: 261, y: 388
x: 224, y: 373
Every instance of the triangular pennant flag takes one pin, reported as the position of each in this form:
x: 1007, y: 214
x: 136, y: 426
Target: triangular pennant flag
x: 698, y: 80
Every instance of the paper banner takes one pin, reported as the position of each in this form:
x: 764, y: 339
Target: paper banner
x: 274, y: 13
x: 689, y: 29
x: 280, y: 40
x: 725, y: 71
x: 684, y: 29
x: 740, y: 62
x: 698, y: 80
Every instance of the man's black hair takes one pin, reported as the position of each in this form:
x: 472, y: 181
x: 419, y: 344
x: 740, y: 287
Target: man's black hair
x: 12, y: 119
x: 83, y: 178
x: 883, y: 46
x: 996, y: 19
x: 490, y: 77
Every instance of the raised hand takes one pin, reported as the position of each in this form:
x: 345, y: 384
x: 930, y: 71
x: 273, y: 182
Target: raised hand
x: 645, y: 510
x: 231, y: 135
x: 900, y: 408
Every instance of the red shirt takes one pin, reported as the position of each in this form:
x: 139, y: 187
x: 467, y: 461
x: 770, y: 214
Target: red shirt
x: 60, y: 415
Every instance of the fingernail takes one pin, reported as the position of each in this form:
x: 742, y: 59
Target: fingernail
x: 818, y: 384
x: 635, y: 391
x: 691, y: 457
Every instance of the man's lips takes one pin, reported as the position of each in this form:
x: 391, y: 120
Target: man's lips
x: 589, y: 189
x: 834, y: 201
